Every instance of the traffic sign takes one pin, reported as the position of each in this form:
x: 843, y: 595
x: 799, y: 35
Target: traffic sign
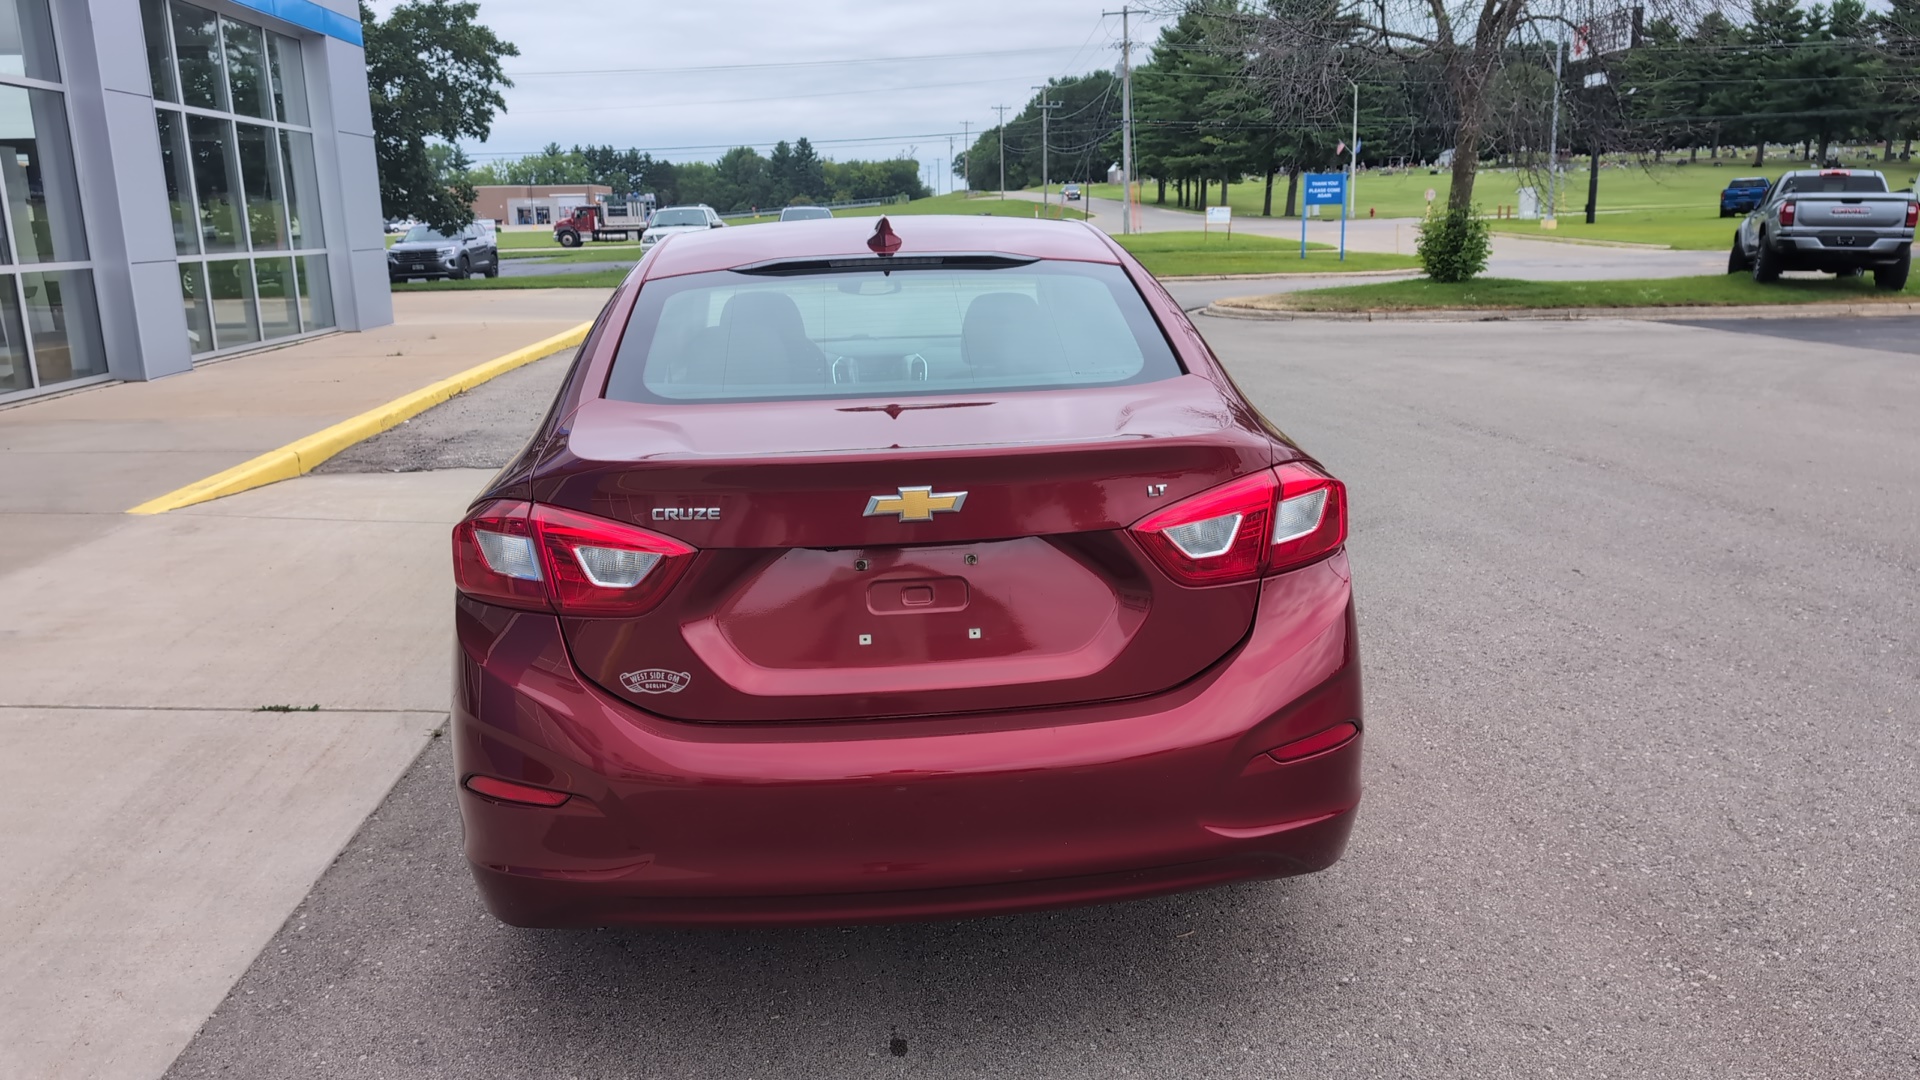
x: 1430, y: 194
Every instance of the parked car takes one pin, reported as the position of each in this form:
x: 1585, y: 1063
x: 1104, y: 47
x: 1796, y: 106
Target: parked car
x: 1742, y: 195
x: 1072, y: 192
x: 806, y: 213
x: 680, y: 219
x: 425, y: 252
x: 1843, y: 221
x: 868, y: 572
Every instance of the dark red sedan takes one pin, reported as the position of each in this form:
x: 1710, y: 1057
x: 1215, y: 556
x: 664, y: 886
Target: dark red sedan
x: 918, y: 571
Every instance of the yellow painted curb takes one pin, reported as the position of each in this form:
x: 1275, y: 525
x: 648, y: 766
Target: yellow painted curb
x: 303, y: 455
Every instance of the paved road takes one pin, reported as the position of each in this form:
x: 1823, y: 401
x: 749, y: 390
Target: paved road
x: 1640, y: 612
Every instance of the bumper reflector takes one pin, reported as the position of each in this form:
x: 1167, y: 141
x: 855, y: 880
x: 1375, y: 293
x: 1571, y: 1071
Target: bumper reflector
x: 507, y: 791
x: 1333, y: 738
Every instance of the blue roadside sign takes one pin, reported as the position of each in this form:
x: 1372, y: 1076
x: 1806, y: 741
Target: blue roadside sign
x: 1325, y: 189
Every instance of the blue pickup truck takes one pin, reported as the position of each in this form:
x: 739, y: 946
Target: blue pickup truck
x: 1744, y: 195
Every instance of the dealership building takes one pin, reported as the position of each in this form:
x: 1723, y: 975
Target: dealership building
x: 180, y: 182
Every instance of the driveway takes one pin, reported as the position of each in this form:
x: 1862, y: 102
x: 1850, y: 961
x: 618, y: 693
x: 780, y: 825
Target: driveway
x: 1638, y: 612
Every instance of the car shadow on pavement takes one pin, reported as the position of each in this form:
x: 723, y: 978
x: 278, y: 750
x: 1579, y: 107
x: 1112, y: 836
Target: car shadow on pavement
x: 392, y: 967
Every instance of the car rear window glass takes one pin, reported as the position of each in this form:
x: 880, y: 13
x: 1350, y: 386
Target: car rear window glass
x: 680, y: 217
x: 1750, y: 181
x: 731, y: 336
x: 423, y: 232
x: 1825, y: 185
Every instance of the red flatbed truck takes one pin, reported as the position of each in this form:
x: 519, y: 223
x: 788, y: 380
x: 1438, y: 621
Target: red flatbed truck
x: 607, y: 221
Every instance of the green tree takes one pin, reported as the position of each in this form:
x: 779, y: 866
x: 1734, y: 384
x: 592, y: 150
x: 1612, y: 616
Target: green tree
x: 434, y: 74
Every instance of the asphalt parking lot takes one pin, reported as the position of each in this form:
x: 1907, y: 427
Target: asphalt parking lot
x: 1639, y: 612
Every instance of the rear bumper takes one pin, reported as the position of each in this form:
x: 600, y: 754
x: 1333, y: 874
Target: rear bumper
x: 1813, y: 252
x: 681, y: 823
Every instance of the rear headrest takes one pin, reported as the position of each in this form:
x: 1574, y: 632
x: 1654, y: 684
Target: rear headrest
x: 765, y: 341
x: 1004, y: 332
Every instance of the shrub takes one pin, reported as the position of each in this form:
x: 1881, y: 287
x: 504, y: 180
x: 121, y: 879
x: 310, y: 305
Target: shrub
x: 1453, y: 247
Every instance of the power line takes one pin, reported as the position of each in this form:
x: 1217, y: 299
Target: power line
x: 692, y: 69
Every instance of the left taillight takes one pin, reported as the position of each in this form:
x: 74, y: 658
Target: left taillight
x: 1913, y: 213
x: 543, y: 558
x: 1264, y: 523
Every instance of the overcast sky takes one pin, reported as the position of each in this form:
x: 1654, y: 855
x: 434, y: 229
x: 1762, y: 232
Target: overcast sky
x: 595, y: 71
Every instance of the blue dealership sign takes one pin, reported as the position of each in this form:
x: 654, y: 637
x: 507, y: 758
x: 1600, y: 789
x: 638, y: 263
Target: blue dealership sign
x: 1326, y: 189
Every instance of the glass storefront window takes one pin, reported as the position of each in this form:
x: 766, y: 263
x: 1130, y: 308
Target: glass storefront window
x: 289, y: 79
x: 26, y: 40
x: 36, y: 168
x: 266, y: 197
x: 154, y: 17
x: 173, y: 163
x: 216, y: 166
x: 196, y: 43
x: 279, y: 316
x: 49, y: 316
x: 247, y: 68
x: 62, y: 315
x: 16, y: 372
x: 193, y: 293
x: 316, y: 293
x: 242, y: 186
x: 304, y: 194
x: 231, y: 288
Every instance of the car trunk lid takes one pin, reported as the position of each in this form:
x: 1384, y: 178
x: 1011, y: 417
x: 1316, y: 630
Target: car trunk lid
x: 874, y: 559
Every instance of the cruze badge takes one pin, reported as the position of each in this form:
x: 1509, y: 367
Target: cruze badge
x: 655, y: 681
x: 916, y: 503
x: 686, y: 513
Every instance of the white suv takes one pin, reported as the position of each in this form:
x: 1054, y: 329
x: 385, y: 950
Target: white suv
x: 679, y: 219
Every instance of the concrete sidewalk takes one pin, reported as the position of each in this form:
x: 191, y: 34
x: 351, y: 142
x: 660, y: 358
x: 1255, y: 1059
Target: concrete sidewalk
x: 164, y: 815
x: 67, y: 460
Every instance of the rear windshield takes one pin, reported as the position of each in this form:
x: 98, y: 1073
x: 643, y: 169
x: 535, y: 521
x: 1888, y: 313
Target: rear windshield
x: 423, y: 232
x: 730, y: 336
x: 805, y: 213
x: 680, y: 217
x: 1749, y: 181
x: 1818, y: 185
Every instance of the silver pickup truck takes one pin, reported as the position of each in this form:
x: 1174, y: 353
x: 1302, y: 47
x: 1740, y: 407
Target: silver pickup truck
x: 1842, y: 221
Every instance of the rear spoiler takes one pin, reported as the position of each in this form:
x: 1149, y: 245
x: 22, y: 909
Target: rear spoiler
x: 831, y: 264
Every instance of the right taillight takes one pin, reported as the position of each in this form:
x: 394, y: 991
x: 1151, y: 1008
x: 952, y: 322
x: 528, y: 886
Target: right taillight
x: 1913, y: 214
x: 543, y: 558
x: 1787, y: 212
x: 1264, y: 523
x: 1310, y: 521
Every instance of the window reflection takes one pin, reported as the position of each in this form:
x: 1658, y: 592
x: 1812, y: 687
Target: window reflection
x: 173, y: 165
x: 63, y: 317
x: 279, y: 317
x: 266, y: 202
x: 193, y: 292
x: 153, y: 15
x: 196, y: 44
x: 15, y: 373
x: 231, y: 288
x: 304, y: 200
x: 36, y: 169
x: 316, y: 293
x: 215, y: 181
x: 289, y: 79
x: 26, y: 40
x: 247, y: 68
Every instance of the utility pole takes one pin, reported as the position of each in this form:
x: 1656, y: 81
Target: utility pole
x: 950, y: 160
x: 1126, y: 118
x: 1353, y: 158
x: 1046, y: 110
x: 966, y: 174
x: 1002, y: 109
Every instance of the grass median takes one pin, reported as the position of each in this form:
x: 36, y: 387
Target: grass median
x: 1199, y: 254
x: 1506, y: 294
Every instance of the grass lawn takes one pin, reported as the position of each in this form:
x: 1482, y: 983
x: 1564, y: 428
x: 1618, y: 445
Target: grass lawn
x: 1674, y: 205
x: 1712, y: 290
x: 585, y: 253
x: 1185, y: 254
x: 602, y: 279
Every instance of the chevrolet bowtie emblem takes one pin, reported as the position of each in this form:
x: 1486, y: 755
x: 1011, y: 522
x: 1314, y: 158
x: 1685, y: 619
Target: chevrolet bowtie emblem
x: 916, y: 503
